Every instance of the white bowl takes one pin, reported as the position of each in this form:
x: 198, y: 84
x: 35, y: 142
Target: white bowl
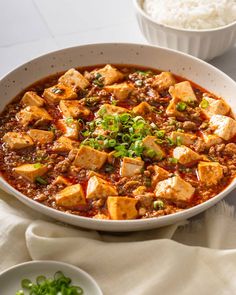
x: 204, y: 44
x: 10, y: 279
x: 181, y: 64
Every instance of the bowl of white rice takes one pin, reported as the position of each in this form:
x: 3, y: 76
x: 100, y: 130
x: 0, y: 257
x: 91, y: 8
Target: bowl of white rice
x: 204, y: 29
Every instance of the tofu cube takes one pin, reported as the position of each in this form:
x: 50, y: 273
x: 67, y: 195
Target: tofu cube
x: 64, y: 144
x: 211, y: 139
x: 70, y: 128
x: 183, y: 91
x: 163, y: 81
x: 214, y: 106
x: 89, y: 158
x: 172, y: 111
x: 74, y: 79
x: 109, y: 109
x: 225, y: 127
x: 58, y: 92
x: 183, y: 138
x: 122, y: 208
x: 131, y: 166
x: 61, y: 180
x: 17, y: 140
x: 210, y: 173
x: 174, y: 189
x: 120, y: 91
x: 33, y: 115
x: 31, y: 171
x: 142, y: 109
x: 110, y: 75
x: 185, y: 155
x: 41, y: 136
x: 149, y: 143
x: 159, y: 174
x: 74, y: 109
x: 99, y: 188
x: 31, y: 98
x: 71, y: 196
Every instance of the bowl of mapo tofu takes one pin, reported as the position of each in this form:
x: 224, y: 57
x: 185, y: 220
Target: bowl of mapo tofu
x: 118, y: 137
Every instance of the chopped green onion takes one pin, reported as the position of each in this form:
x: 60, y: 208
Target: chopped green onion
x: 178, y: 141
x: 124, y: 117
x: 102, y: 111
x: 98, y: 75
x: 92, y: 101
x: 160, y: 133
x: 126, y: 138
x: 41, y: 180
x: 170, y: 141
x: 69, y: 120
x: 60, y: 284
x: 158, y: 205
x: 150, y: 153
x: 144, y: 73
x: 147, y: 182
x: 173, y: 160
x: 37, y: 165
x: 114, y: 102
x: 26, y: 283
x: 204, y: 103
x: 98, y: 83
x: 181, y: 106
x: 85, y: 133
x: 40, y: 279
x: 112, y: 142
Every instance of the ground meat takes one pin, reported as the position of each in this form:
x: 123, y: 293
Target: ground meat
x: 131, y: 185
x: 188, y: 125
x: 230, y: 149
x: 63, y: 166
x: 146, y: 200
x: 126, y: 185
x: 199, y: 145
x: 216, y: 150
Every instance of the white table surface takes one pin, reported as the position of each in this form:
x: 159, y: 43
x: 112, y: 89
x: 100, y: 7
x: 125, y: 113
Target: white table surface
x: 29, y: 28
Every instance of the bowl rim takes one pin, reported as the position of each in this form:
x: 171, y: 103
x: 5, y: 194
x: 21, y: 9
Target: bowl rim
x: 137, y: 5
x: 53, y: 213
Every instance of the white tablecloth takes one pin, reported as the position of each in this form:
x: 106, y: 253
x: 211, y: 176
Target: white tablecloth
x: 188, y: 258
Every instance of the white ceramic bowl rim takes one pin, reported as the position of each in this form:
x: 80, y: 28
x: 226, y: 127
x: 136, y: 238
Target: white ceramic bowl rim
x: 136, y: 223
x: 140, y: 10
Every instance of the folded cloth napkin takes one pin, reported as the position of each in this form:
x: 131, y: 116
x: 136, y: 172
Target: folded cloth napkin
x: 186, y: 258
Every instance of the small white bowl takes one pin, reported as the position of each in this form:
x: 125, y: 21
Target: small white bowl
x: 204, y: 44
x: 10, y: 279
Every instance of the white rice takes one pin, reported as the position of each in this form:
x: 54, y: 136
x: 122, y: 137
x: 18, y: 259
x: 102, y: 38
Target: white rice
x: 192, y: 14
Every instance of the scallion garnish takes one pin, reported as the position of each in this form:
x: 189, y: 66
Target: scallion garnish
x: 158, y: 205
x: 41, y: 180
x: 37, y: 165
x: 181, y: 106
x: 59, y: 284
x: 204, y: 104
x: 173, y: 160
x: 69, y: 120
